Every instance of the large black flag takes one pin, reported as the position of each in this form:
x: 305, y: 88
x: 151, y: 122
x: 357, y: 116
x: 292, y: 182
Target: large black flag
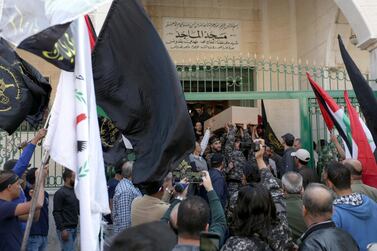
x: 364, y: 93
x: 269, y: 135
x: 24, y: 92
x: 137, y: 85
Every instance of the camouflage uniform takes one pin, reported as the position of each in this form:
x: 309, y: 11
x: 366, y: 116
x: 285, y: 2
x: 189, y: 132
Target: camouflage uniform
x: 279, y: 237
x: 327, y: 154
x: 233, y: 175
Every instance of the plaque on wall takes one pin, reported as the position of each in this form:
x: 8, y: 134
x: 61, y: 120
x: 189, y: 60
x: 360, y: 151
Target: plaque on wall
x: 201, y: 34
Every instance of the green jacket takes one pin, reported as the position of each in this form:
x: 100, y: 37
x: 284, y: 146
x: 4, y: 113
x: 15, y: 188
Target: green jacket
x: 294, y: 214
x: 358, y: 186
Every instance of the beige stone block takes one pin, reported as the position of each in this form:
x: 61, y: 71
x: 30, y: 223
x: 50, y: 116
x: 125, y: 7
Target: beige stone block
x: 235, y: 115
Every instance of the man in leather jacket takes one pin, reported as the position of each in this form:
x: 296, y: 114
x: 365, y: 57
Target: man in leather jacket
x: 322, y: 234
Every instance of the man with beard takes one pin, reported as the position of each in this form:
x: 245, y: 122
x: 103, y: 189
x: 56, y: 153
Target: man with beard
x: 66, y: 212
x: 215, y: 147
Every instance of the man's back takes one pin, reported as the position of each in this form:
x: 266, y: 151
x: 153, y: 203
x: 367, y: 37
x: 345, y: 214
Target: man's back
x: 125, y: 193
x: 147, y: 209
x: 294, y: 215
x: 357, y: 215
x: 326, y: 236
x: 219, y: 185
x: 308, y: 176
x: 357, y: 186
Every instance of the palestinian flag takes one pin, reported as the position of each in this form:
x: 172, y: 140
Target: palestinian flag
x: 334, y: 116
x: 364, y: 145
x: 363, y: 91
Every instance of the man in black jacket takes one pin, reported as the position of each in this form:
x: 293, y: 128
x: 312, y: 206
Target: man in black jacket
x: 322, y: 234
x: 66, y: 211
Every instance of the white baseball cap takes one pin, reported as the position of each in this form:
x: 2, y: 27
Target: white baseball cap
x: 302, y: 155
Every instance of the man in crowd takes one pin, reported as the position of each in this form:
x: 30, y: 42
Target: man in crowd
x: 236, y: 160
x: 292, y: 186
x: 357, y: 184
x: 200, y: 162
x: 189, y: 228
x: 355, y: 213
x: 125, y: 193
x: 322, y: 234
x: 297, y: 144
x: 19, y: 166
x: 218, y: 179
x: 39, y: 229
x: 286, y: 162
x: 11, y: 212
x: 151, y: 206
x: 302, y: 158
x: 112, y: 184
x: 215, y: 147
x: 66, y: 212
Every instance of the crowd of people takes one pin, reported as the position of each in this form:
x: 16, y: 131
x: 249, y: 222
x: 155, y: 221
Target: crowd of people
x: 247, y: 197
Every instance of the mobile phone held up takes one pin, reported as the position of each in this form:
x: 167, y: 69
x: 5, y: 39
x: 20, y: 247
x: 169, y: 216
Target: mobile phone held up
x: 209, y: 241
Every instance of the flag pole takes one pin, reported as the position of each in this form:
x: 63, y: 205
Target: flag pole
x: 37, y: 188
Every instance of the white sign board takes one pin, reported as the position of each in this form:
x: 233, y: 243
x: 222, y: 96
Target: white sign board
x: 201, y: 34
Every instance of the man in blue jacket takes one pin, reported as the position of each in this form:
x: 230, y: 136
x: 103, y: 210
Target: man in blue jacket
x: 353, y: 212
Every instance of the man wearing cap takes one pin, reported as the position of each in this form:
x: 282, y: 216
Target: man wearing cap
x: 302, y: 157
x: 10, y: 211
x: 357, y: 184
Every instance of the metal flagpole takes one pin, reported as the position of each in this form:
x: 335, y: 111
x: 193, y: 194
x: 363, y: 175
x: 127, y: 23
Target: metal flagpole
x: 38, y: 183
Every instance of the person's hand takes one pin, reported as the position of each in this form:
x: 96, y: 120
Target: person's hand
x: 65, y: 235
x: 183, y: 194
x: 207, y: 183
x: 260, y: 153
x: 333, y: 137
x: 168, y: 183
x: 40, y: 135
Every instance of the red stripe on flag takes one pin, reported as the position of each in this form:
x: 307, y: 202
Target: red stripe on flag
x: 91, y: 31
x: 80, y: 118
x: 365, y: 154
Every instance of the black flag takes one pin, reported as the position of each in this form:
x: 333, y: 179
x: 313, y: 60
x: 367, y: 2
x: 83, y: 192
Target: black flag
x: 269, y: 135
x: 137, y: 85
x: 54, y: 44
x: 364, y: 93
x: 24, y: 92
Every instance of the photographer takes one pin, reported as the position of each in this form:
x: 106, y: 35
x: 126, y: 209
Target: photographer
x: 189, y: 228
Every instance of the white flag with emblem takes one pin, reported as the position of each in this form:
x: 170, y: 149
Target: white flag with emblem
x: 73, y: 139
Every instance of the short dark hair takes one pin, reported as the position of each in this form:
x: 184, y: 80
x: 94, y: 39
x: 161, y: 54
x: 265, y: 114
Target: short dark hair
x: 150, y: 188
x: 67, y: 174
x: 251, y: 172
x: 339, y: 175
x: 145, y: 237
x: 312, y: 203
x: 193, y: 216
x: 30, y: 175
x: 352, y: 169
x: 255, y: 211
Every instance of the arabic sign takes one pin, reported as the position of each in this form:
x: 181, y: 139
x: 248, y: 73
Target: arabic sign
x: 201, y: 34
